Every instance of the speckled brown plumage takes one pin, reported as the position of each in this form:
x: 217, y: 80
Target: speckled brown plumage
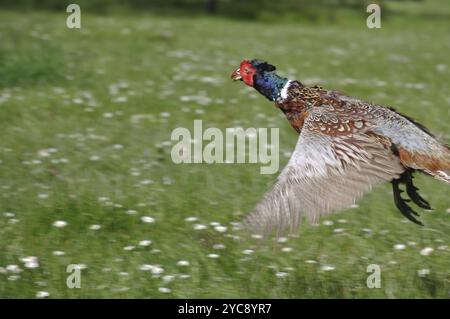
x: 343, y: 115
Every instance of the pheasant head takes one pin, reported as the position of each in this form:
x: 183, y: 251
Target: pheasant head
x: 261, y: 76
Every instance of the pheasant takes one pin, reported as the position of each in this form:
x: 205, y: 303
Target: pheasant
x: 345, y: 147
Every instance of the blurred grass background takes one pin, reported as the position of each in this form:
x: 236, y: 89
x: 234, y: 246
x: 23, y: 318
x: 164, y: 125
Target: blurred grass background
x: 86, y: 121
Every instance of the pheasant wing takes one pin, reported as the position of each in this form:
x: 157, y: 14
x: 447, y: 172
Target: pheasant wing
x: 334, y: 163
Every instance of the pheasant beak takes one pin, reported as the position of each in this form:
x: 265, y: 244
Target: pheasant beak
x: 236, y: 75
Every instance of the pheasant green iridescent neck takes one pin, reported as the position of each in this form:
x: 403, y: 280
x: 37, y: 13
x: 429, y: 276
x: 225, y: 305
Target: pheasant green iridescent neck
x: 269, y: 84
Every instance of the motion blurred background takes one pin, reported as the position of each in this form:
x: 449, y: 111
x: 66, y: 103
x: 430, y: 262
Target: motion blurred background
x: 85, y: 170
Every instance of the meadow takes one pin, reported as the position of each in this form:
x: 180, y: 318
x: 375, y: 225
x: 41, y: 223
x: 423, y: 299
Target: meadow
x: 86, y: 175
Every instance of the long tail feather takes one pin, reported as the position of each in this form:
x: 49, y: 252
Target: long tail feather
x: 439, y: 175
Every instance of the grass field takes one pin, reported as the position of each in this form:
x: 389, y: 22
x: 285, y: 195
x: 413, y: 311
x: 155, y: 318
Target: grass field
x: 86, y: 117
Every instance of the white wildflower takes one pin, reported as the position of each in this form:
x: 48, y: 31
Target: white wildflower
x: 164, y: 290
x: 281, y: 274
x: 44, y: 153
x: 42, y: 294
x: 220, y: 229
x: 145, y: 243
x: 147, y: 219
x: 15, y: 269
x: 30, y: 262
x: 423, y: 272
x: 156, y: 270
x: 13, y: 277
x: 183, y: 263
x: 426, y: 251
x: 327, y: 268
x: 117, y: 146
x: 168, y: 278
x: 146, y: 267
x: 58, y: 253
x: 60, y: 224
x: 199, y: 226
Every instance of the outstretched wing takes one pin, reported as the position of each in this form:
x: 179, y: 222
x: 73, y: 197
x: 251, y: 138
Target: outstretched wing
x: 336, y: 160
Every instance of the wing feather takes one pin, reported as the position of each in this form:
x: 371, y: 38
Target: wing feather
x: 324, y: 174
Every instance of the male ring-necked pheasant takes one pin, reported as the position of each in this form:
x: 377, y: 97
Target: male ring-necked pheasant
x: 345, y: 146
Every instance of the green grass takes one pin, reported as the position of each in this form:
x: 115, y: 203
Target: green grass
x: 118, y: 81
